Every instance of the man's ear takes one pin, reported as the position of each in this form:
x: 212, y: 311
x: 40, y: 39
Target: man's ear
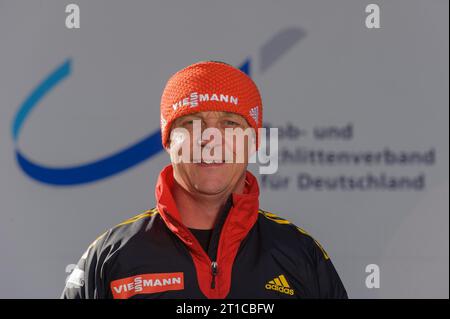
x: 167, y: 147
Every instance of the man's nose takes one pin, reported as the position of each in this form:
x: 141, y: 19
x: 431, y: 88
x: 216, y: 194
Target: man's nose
x: 207, y: 138
x: 210, y: 123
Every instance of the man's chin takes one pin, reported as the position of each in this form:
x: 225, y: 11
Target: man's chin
x: 210, y: 188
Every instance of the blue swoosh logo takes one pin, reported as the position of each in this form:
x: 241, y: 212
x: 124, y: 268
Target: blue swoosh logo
x: 142, y: 150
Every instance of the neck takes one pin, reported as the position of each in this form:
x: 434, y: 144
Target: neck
x: 200, y: 211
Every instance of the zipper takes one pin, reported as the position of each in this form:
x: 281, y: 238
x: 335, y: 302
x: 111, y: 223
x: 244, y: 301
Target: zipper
x: 211, y: 255
x: 213, y: 251
x: 214, y: 270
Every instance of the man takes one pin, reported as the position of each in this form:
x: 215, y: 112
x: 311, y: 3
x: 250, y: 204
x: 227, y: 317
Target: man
x: 207, y: 236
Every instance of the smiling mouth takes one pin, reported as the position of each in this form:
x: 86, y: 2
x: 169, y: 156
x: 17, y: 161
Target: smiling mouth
x: 206, y: 163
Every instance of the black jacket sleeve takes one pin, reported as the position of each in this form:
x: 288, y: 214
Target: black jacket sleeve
x: 86, y: 280
x: 329, y: 283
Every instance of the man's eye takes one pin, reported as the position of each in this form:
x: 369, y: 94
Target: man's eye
x: 188, y: 122
x: 231, y: 123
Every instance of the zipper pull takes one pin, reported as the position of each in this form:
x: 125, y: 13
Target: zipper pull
x: 214, y: 273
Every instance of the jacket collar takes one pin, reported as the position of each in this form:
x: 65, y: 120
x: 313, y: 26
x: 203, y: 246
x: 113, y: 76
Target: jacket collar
x: 240, y: 218
x: 227, y: 235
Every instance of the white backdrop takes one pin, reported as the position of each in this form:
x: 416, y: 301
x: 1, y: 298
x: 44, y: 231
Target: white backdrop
x: 317, y: 67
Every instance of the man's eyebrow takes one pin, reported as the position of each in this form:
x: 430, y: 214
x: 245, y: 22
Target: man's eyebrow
x: 234, y: 117
x: 188, y: 117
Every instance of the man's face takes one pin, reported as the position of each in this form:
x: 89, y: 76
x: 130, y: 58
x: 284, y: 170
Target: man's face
x: 223, y: 160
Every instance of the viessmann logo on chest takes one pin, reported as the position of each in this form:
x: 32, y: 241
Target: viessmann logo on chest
x: 146, y: 284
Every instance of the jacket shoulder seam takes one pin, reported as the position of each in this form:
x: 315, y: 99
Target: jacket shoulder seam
x: 147, y: 213
x: 275, y: 218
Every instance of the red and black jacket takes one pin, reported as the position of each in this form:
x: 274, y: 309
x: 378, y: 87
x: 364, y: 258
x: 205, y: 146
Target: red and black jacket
x: 252, y: 254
